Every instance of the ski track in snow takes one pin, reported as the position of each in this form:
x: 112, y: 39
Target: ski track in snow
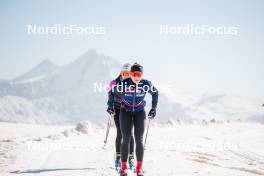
x: 171, y: 150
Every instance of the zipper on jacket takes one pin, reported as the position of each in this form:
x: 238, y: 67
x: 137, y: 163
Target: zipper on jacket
x: 134, y: 97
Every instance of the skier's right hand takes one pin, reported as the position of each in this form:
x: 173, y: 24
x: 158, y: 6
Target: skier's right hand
x: 152, y: 113
x: 110, y: 111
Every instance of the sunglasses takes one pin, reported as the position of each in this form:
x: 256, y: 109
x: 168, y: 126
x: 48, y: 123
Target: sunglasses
x: 136, y: 74
x: 126, y: 74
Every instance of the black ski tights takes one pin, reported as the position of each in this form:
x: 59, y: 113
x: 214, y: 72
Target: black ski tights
x: 119, y: 136
x: 127, y: 121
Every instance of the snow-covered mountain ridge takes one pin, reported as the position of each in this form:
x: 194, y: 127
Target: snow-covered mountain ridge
x: 65, y: 94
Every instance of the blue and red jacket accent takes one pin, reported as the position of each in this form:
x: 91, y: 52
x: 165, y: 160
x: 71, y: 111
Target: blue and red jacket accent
x: 132, y: 96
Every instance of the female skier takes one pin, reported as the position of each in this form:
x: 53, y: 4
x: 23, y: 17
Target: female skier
x: 131, y: 93
x: 115, y: 110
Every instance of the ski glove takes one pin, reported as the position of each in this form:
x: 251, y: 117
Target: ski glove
x: 110, y: 111
x: 152, y: 113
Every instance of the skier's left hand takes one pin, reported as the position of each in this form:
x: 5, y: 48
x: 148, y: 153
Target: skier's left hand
x: 110, y: 111
x: 152, y: 113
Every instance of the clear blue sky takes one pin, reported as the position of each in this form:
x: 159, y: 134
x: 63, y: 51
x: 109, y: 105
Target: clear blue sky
x: 224, y: 64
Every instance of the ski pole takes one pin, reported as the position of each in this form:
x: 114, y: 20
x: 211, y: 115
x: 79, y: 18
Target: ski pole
x: 108, y: 129
x: 147, y: 133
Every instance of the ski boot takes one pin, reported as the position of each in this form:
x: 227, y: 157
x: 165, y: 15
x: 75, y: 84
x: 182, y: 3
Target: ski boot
x: 139, y: 170
x: 118, y: 166
x: 131, y: 163
x: 123, y: 171
x: 118, y: 163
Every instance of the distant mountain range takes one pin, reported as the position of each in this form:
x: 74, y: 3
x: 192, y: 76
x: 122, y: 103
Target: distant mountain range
x: 52, y: 94
x: 65, y: 94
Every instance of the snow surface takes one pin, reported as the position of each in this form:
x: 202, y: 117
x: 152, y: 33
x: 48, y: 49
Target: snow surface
x: 193, y: 150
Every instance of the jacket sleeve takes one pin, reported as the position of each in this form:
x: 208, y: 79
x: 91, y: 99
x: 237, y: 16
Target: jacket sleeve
x: 154, y: 93
x: 113, y: 93
x: 110, y: 101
